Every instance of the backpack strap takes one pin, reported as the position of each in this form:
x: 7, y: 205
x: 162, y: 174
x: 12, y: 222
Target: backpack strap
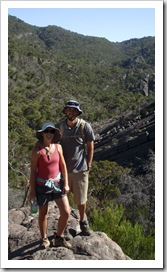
x: 81, y: 127
x: 61, y: 128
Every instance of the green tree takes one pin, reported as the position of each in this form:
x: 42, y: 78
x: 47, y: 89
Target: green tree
x: 131, y: 238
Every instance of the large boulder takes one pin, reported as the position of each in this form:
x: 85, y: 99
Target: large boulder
x: 24, y: 239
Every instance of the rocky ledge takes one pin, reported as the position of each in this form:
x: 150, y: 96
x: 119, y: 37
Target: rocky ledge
x: 24, y: 239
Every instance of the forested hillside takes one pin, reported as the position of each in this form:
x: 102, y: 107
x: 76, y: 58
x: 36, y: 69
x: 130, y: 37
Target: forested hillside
x: 48, y: 66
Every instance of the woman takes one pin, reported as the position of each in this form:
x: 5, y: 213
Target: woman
x: 47, y: 165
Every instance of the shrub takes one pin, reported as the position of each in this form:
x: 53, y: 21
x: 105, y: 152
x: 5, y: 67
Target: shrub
x: 130, y: 238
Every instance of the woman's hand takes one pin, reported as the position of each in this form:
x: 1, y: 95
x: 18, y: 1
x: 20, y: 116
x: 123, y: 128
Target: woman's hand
x: 66, y: 189
x: 32, y: 196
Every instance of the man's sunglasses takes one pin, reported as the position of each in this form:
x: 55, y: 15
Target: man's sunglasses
x: 49, y: 131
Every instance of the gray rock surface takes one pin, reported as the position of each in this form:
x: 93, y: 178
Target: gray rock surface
x: 24, y: 239
x: 125, y: 142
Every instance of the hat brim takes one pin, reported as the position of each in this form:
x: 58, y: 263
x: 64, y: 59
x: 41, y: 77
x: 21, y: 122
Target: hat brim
x: 56, y: 139
x: 79, y: 110
x: 48, y: 126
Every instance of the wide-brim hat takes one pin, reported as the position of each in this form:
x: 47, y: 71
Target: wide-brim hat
x: 57, y: 134
x: 73, y: 104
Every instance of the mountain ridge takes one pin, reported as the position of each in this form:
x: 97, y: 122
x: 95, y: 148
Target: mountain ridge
x: 114, y: 84
x: 52, y: 65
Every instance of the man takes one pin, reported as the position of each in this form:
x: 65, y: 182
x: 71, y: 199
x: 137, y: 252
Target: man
x: 78, y: 146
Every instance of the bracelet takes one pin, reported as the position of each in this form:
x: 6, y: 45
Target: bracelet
x: 89, y: 167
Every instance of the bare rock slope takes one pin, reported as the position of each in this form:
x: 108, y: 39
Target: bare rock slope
x: 124, y: 143
x: 24, y: 239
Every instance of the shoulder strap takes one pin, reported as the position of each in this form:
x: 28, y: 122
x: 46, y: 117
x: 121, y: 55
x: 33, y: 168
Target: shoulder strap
x: 62, y: 126
x: 82, y: 125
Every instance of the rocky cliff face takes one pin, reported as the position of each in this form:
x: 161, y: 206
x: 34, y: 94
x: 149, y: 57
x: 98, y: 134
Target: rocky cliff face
x: 24, y: 239
x: 127, y: 142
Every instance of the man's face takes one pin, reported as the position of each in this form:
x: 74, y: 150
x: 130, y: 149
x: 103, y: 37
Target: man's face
x: 71, y: 113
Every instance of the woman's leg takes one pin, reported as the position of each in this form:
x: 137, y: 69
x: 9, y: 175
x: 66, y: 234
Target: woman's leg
x: 43, y: 220
x: 64, y: 209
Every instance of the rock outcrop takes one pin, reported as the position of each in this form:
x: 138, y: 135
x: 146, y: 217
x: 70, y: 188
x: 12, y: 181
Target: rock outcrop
x: 24, y: 239
x: 126, y: 141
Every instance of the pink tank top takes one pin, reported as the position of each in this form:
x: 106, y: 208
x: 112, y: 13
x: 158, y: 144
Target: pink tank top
x: 48, y: 167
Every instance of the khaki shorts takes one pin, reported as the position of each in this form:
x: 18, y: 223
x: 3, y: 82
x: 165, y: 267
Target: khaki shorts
x: 78, y: 183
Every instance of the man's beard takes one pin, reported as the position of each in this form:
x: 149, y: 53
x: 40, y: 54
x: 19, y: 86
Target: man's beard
x: 71, y: 117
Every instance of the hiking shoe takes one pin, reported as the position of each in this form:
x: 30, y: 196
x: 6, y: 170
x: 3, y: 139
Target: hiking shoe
x: 61, y: 242
x: 45, y: 243
x: 69, y: 234
x: 86, y: 231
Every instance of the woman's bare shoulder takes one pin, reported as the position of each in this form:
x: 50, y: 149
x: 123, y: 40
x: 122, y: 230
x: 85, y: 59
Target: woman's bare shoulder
x: 36, y: 149
x: 59, y: 147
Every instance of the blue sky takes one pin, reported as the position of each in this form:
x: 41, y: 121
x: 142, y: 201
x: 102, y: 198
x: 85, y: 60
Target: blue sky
x: 114, y: 24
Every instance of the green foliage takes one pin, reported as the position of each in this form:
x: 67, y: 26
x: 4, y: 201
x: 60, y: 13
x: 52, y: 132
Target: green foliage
x: 49, y: 65
x: 130, y: 238
x: 104, y: 180
x: 118, y: 201
x: 58, y: 63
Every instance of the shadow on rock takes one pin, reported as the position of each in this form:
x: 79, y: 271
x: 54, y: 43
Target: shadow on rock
x: 27, y: 251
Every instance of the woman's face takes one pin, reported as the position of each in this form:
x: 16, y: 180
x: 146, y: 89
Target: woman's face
x: 48, y: 134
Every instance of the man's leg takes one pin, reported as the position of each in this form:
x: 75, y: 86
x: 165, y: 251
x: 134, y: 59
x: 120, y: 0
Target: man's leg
x: 79, y: 189
x: 84, y: 226
x: 82, y: 210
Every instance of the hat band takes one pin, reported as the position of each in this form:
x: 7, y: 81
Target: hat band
x: 76, y: 104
